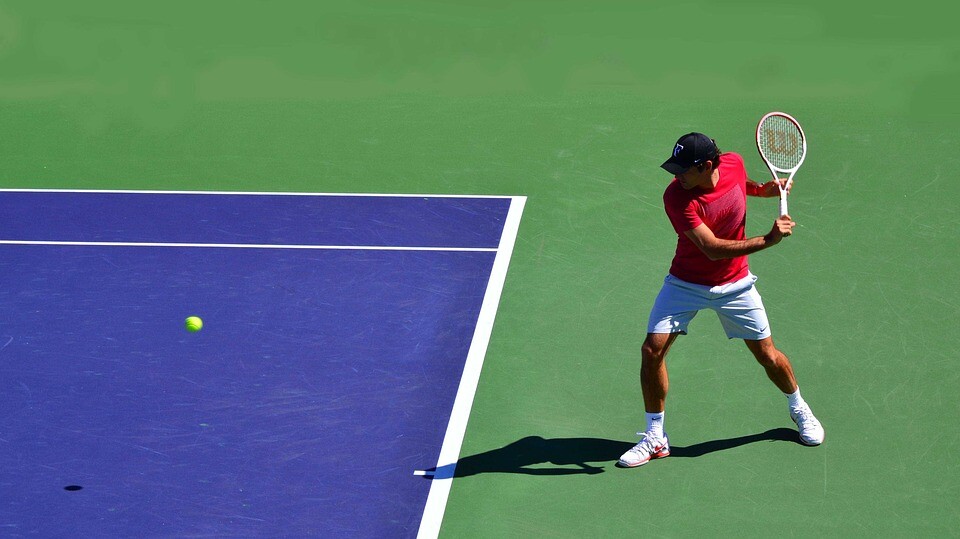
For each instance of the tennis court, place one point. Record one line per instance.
(570, 106)
(338, 333)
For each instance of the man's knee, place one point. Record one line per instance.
(767, 354)
(654, 350)
(769, 359)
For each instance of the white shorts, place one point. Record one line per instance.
(737, 304)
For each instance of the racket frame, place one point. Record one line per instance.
(776, 171)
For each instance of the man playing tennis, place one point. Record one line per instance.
(706, 203)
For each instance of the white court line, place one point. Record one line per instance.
(250, 246)
(244, 193)
(456, 428)
(245, 245)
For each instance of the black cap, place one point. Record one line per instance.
(691, 149)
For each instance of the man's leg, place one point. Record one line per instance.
(780, 372)
(654, 383)
(653, 370)
(775, 363)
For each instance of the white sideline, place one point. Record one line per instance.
(456, 428)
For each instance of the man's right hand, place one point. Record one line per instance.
(782, 227)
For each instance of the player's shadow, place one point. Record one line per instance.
(569, 456)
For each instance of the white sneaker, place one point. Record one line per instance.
(811, 432)
(649, 447)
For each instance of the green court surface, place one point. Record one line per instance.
(575, 105)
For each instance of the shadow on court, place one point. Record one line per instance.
(569, 456)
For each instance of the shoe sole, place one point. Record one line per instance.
(654, 456)
(809, 444)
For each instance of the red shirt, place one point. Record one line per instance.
(723, 209)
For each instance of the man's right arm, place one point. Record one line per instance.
(716, 248)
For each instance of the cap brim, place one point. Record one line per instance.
(673, 168)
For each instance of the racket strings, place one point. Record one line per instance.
(781, 142)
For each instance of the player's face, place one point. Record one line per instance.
(694, 177)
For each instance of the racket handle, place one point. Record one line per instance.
(783, 202)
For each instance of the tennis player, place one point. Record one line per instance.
(706, 202)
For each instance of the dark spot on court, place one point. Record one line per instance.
(73, 488)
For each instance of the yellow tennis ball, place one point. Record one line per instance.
(193, 324)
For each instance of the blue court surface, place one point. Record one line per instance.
(336, 333)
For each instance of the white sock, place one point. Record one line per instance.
(794, 400)
(655, 423)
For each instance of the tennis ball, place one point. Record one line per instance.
(193, 324)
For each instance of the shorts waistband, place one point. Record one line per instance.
(714, 291)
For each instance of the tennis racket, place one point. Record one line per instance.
(782, 147)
